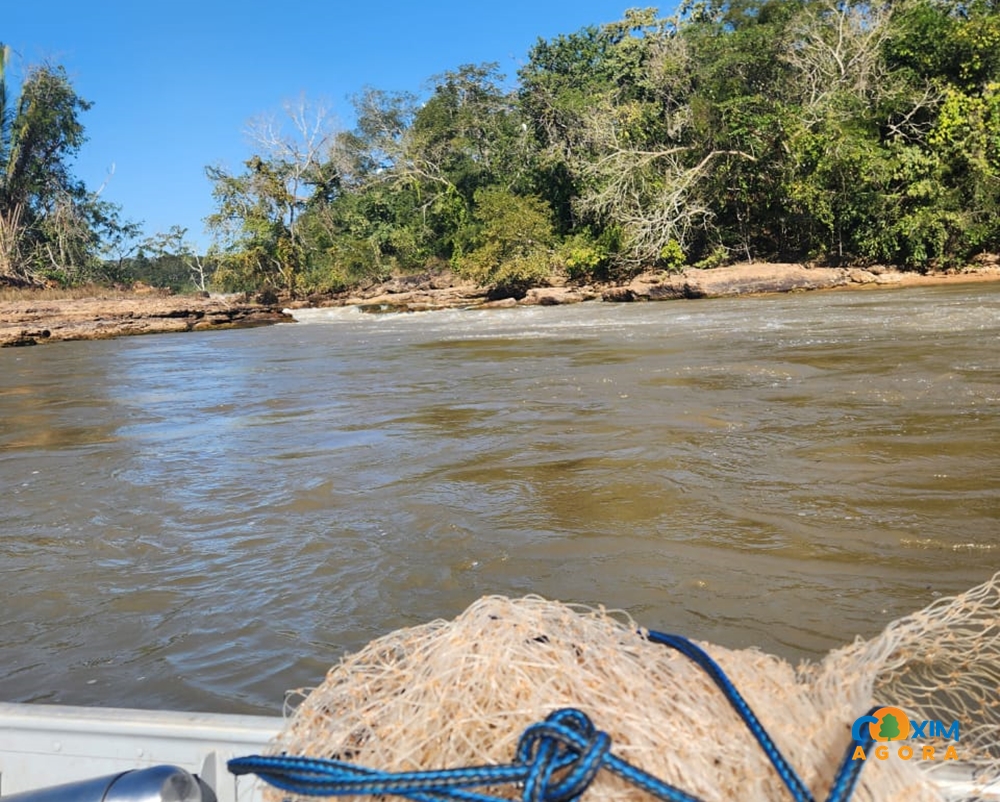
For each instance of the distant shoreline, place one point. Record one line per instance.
(34, 319)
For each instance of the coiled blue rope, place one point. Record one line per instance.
(556, 761)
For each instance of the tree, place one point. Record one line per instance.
(49, 223)
(174, 243)
(652, 195)
(375, 148)
(296, 151)
(628, 70)
(893, 158)
(736, 128)
(412, 171)
(630, 147)
(836, 51)
(119, 241)
(467, 134)
(257, 221)
(510, 242)
(393, 211)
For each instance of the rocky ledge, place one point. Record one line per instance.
(33, 321)
(36, 320)
(419, 293)
(747, 279)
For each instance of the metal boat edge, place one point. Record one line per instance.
(46, 745)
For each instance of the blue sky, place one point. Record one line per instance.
(174, 84)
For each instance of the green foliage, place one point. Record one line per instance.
(509, 242)
(50, 225)
(584, 257)
(838, 131)
(716, 257)
(168, 259)
(253, 219)
(968, 130)
(468, 134)
(672, 256)
(842, 131)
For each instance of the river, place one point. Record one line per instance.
(204, 520)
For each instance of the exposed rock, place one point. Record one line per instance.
(758, 278)
(30, 322)
(440, 290)
(755, 279)
(674, 287)
(619, 295)
(142, 288)
(385, 301)
(444, 290)
(857, 275)
(555, 296)
(26, 337)
(413, 300)
(37, 319)
(501, 303)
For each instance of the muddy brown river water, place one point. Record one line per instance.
(205, 520)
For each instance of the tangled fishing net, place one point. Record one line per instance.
(460, 693)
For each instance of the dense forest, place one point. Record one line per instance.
(834, 132)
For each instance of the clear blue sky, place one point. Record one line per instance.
(174, 84)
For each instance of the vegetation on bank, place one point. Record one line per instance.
(752, 129)
(51, 225)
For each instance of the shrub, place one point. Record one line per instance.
(509, 242)
(583, 257)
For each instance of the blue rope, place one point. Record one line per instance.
(800, 793)
(556, 761)
(846, 778)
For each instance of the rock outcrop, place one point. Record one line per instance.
(556, 296)
(747, 279)
(33, 321)
(417, 293)
(30, 322)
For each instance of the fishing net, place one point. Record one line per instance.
(460, 693)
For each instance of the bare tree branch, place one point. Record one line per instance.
(653, 196)
(837, 48)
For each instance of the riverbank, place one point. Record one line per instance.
(43, 319)
(420, 293)
(36, 319)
